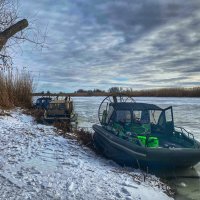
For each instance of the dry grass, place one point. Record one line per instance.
(15, 89)
(64, 127)
(85, 137)
(66, 130)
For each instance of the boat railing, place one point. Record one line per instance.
(185, 132)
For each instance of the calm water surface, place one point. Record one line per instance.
(186, 114)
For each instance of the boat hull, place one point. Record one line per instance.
(128, 154)
(69, 119)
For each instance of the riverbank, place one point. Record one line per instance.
(36, 163)
(162, 92)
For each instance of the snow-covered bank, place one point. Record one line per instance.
(35, 163)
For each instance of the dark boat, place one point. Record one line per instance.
(42, 102)
(143, 135)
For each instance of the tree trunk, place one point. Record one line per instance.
(12, 30)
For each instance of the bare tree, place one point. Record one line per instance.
(11, 30)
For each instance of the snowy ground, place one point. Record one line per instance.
(35, 163)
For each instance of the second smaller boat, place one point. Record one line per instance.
(60, 110)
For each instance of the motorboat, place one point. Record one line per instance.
(143, 135)
(60, 110)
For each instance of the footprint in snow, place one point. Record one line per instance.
(125, 191)
(129, 198)
(129, 185)
(118, 195)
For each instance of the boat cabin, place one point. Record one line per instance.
(59, 108)
(152, 125)
(42, 102)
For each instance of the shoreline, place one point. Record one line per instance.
(107, 94)
(118, 91)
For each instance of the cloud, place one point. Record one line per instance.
(101, 43)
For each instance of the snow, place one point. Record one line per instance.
(36, 163)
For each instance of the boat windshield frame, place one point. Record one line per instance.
(161, 122)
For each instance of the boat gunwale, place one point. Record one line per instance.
(150, 149)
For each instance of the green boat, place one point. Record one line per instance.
(143, 135)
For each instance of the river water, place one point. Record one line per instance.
(186, 114)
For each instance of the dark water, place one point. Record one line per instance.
(186, 114)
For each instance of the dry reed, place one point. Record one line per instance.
(15, 89)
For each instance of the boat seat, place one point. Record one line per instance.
(149, 141)
(141, 129)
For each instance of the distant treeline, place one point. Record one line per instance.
(90, 91)
(166, 92)
(163, 92)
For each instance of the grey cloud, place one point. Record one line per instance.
(192, 69)
(92, 42)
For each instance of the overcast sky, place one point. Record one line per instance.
(104, 43)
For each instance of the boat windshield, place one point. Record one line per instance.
(137, 122)
(155, 116)
(141, 117)
(38, 101)
(60, 106)
(127, 117)
(142, 121)
(123, 116)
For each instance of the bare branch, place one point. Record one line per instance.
(12, 30)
